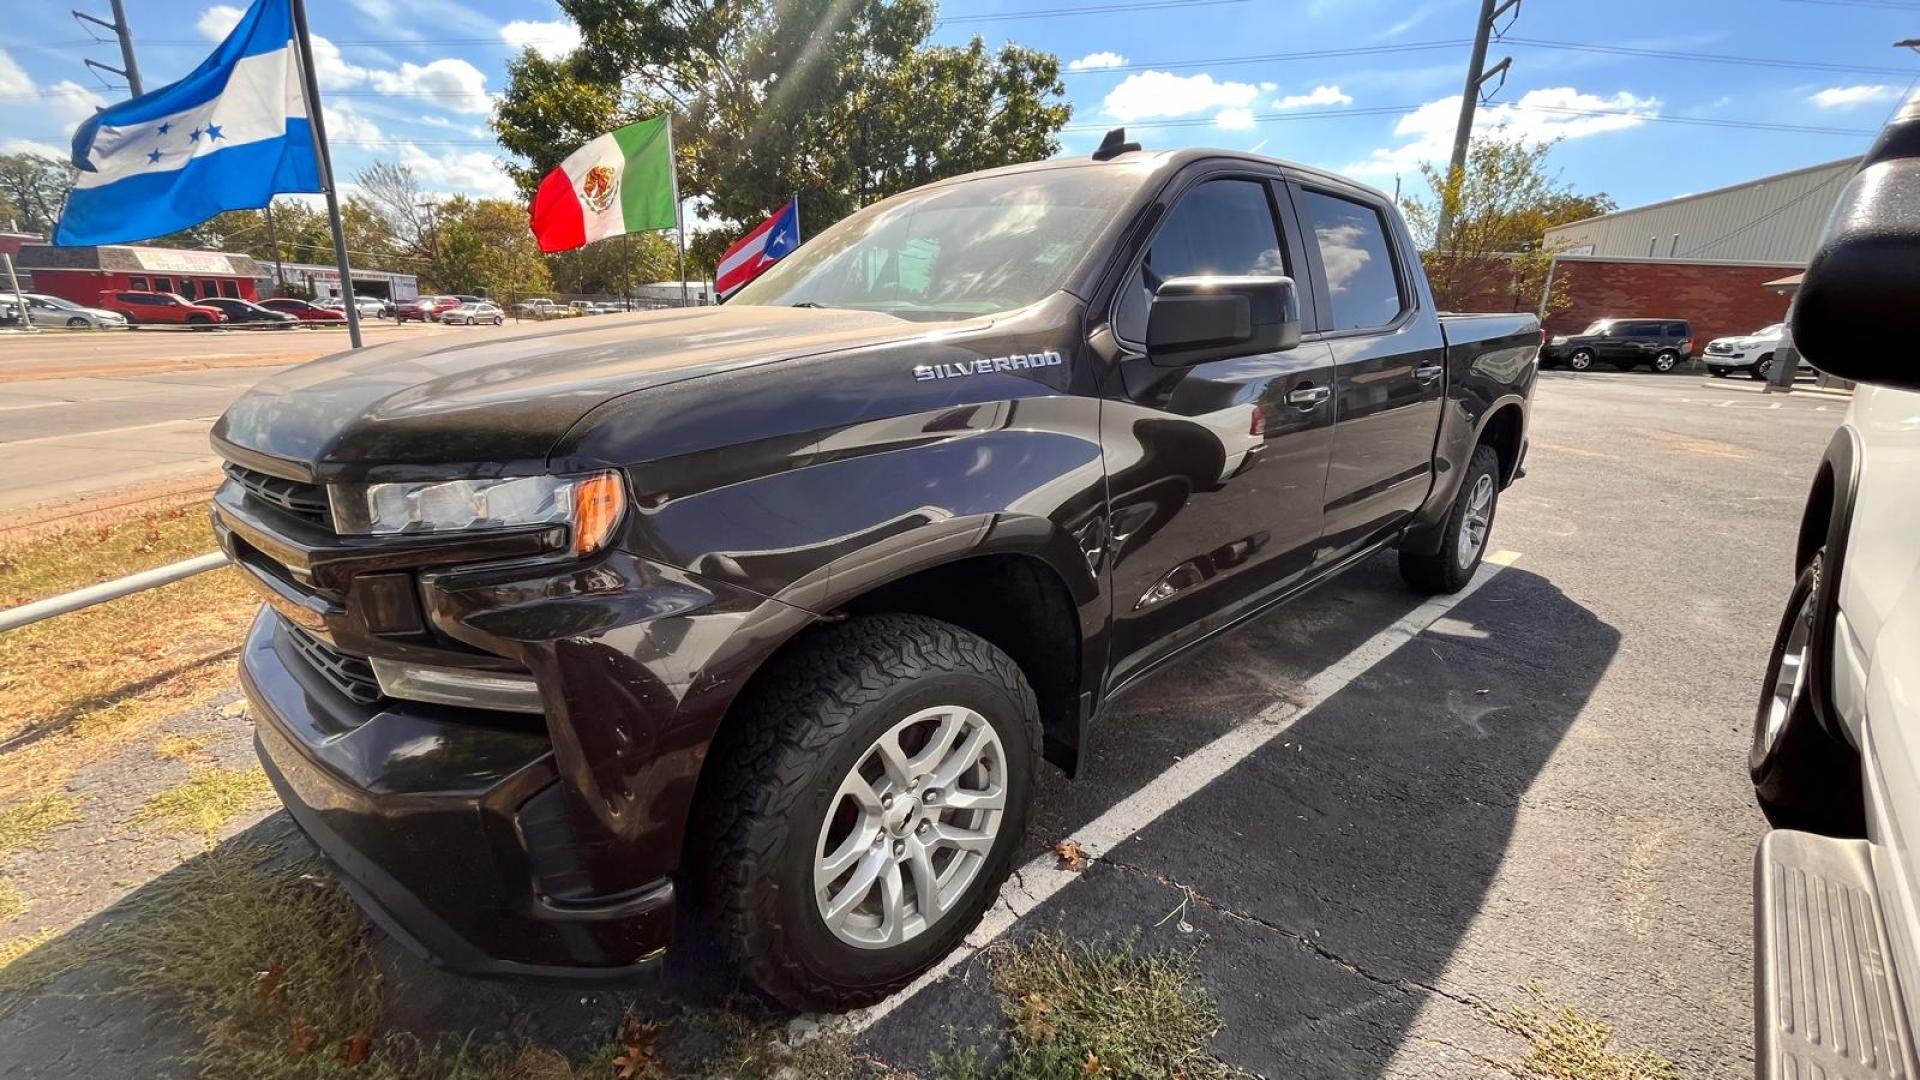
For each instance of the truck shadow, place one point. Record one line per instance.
(1324, 878)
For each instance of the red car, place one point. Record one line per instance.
(304, 311)
(160, 307)
(427, 308)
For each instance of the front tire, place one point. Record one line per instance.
(1760, 368)
(77, 323)
(867, 805)
(1465, 532)
(1803, 777)
(1580, 359)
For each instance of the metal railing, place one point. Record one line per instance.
(40, 610)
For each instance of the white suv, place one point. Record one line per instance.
(1752, 354)
(1836, 745)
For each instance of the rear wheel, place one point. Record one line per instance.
(1465, 532)
(1580, 359)
(1666, 361)
(868, 802)
(1803, 777)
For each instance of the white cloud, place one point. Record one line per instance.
(552, 40)
(1096, 61)
(28, 146)
(1147, 94)
(329, 66)
(1234, 119)
(67, 103)
(447, 81)
(1846, 97)
(1559, 112)
(14, 80)
(474, 173)
(1319, 95)
(346, 124)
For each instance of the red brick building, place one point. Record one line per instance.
(1720, 299)
(80, 274)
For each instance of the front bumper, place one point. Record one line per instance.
(446, 825)
(1732, 360)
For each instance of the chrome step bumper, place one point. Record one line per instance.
(1826, 1003)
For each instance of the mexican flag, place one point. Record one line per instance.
(619, 183)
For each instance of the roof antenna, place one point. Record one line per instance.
(1114, 145)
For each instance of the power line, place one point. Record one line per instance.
(1090, 9)
(1327, 114)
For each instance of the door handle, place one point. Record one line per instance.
(1308, 398)
(1428, 372)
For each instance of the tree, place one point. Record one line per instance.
(1501, 206)
(839, 101)
(32, 191)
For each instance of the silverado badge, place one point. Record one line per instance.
(962, 368)
(596, 188)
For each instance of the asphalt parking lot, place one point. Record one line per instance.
(1372, 821)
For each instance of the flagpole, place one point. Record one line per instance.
(679, 212)
(310, 89)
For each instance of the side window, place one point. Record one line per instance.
(1644, 330)
(1677, 329)
(138, 281)
(1222, 227)
(1363, 288)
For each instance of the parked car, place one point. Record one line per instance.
(56, 311)
(562, 631)
(542, 308)
(426, 308)
(245, 312)
(304, 310)
(479, 311)
(582, 307)
(1836, 738)
(1752, 354)
(369, 307)
(160, 308)
(1625, 343)
(606, 307)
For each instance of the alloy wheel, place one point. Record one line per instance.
(1580, 361)
(1790, 683)
(910, 827)
(1476, 522)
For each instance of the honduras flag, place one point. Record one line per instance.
(227, 137)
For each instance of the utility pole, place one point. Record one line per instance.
(131, 69)
(273, 240)
(1477, 76)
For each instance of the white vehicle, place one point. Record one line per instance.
(1836, 743)
(369, 307)
(1752, 354)
(472, 313)
(54, 311)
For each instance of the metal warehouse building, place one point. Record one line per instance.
(1775, 219)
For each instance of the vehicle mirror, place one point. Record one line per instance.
(1854, 316)
(1196, 319)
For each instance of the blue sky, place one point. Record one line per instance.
(410, 79)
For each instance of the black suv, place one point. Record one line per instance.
(1624, 343)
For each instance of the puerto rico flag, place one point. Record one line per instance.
(768, 243)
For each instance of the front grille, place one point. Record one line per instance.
(351, 675)
(1717, 347)
(308, 502)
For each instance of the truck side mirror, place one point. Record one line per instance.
(1196, 319)
(1855, 316)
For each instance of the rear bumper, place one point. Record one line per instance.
(448, 829)
(1826, 1000)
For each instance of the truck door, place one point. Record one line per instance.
(1389, 366)
(1216, 471)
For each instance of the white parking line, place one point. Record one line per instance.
(1037, 882)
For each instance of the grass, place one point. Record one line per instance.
(11, 902)
(63, 561)
(28, 824)
(74, 690)
(1077, 1011)
(1566, 1045)
(189, 748)
(206, 801)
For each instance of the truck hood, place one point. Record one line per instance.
(490, 403)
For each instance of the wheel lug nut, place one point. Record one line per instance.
(900, 848)
(886, 802)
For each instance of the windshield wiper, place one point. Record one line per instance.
(807, 303)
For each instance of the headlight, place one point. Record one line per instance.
(590, 505)
(1558, 339)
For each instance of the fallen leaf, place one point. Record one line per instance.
(1070, 855)
(639, 1039)
(303, 1037)
(1092, 1067)
(359, 1047)
(269, 981)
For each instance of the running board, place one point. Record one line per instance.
(1826, 1003)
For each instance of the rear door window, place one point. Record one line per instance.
(1363, 285)
(1677, 329)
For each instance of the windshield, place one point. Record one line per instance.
(1596, 327)
(973, 248)
(1770, 331)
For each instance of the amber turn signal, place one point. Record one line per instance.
(598, 503)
